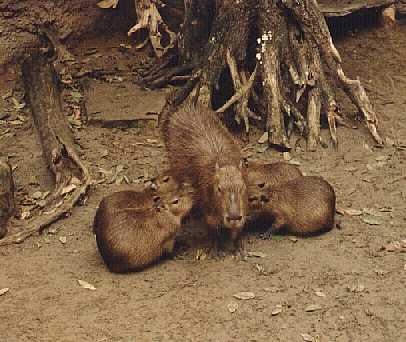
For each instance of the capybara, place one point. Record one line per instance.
(203, 152)
(303, 206)
(265, 175)
(6, 196)
(131, 235)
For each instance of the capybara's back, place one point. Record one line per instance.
(264, 175)
(130, 236)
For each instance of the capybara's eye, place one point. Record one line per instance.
(156, 198)
(175, 201)
(165, 179)
(261, 185)
(219, 189)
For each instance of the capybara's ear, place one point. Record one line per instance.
(261, 185)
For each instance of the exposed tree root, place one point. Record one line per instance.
(72, 178)
(294, 70)
(149, 18)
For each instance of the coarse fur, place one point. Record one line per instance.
(203, 152)
(131, 235)
(6, 196)
(303, 206)
(266, 175)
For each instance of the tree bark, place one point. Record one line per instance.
(6, 196)
(285, 48)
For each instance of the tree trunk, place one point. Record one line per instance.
(270, 59)
(6, 196)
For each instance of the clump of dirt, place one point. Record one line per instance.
(346, 285)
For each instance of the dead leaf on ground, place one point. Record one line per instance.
(372, 212)
(358, 288)
(277, 310)
(232, 307)
(308, 338)
(4, 291)
(312, 307)
(86, 285)
(107, 4)
(264, 138)
(244, 295)
(256, 254)
(352, 212)
(319, 294)
(371, 221)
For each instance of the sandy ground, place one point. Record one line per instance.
(346, 285)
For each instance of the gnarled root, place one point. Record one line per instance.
(72, 178)
(149, 18)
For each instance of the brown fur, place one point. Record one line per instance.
(131, 235)
(6, 196)
(261, 175)
(303, 206)
(203, 152)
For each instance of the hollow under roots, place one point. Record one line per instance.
(281, 61)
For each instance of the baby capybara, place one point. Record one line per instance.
(6, 196)
(265, 175)
(203, 152)
(131, 235)
(302, 206)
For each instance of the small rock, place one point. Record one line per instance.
(312, 307)
(293, 239)
(393, 246)
(319, 294)
(358, 288)
(277, 310)
(37, 195)
(244, 295)
(62, 239)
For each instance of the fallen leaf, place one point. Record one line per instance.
(232, 307)
(319, 294)
(37, 195)
(277, 310)
(287, 156)
(393, 246)
(69, 188)
(358, 288)
(17, 105)
(352, 212)
(272, 289)
(4, 291)
(371, 211)
(264, 138)
(108, 4)
(25, 215)
(62, 239)
(256, 254)
(312, 307)
(86, 285)
(372, 221)
(308, 338)
(294, 162)
(244, 295)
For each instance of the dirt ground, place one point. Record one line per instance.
(346, 285)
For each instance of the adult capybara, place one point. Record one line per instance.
(203, 152)
(302, 206)
(131, 235)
